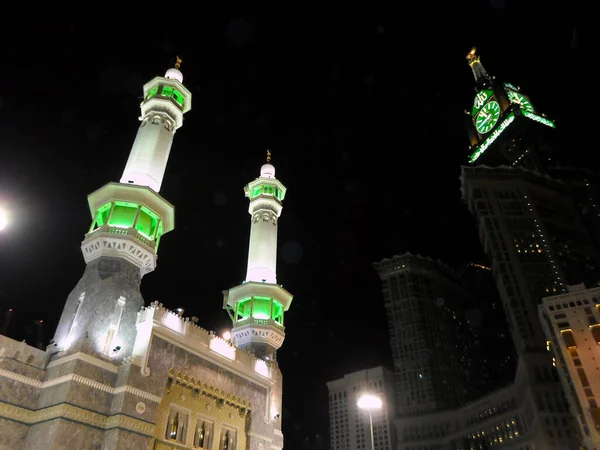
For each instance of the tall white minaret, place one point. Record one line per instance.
(256, 306)
(166, 100)
(128, 221)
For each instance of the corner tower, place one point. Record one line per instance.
(128, 221)
(257, 306)
(504, 127)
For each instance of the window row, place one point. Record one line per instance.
(199, 432)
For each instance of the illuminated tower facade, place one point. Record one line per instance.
(504, 116)
(128, 220)
(530, 228)
(257, 306)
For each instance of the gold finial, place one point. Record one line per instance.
(178, 62)
(268, 156)
(472, 57)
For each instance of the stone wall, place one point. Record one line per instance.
(12, 435)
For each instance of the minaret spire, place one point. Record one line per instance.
(481, 76)
(256, 306)
(166, 100)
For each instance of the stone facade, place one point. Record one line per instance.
(85, 400)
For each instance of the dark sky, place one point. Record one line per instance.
(362, 111)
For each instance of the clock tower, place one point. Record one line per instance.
(504, 127)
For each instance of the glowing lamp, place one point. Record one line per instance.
(3, 219)
(369, 402)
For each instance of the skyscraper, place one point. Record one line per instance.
(529, 227)
(348, 424)
(571, 322)
(493, 349)
(120, 374)
(430, 340)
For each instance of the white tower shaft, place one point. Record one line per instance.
(262, 252)
(166, 100)
(150, 152)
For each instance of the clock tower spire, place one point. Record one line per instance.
(503, 126)
(482, 79)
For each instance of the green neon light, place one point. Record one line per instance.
(167, 91)
(124, 215)
(492, 137)
(152, 92)
(244, 308)
(147, 222)
(266, 189)
(511, 86)
(259, 308)
(539, 119)
(480, 99)
(178, 96)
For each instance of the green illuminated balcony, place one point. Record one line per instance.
(120, 217)
(167, 92)
(267, 189)
(258, 310)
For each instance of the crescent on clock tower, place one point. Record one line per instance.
(503, 125)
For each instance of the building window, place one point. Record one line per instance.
(228, 439)
(111, 347)
(203, 435)
(177, 425)
(73, 327)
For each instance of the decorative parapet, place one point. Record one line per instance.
(158, 316)
(210, 391)
(22, 352)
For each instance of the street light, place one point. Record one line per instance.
(3, 218)
(370, 403)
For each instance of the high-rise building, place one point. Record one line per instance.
(349, 426)
(430, 340)
(493, 349)
(120, 374)
(571, 322)
(531, 231)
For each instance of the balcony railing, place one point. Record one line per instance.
(109, 229)
(255, 321)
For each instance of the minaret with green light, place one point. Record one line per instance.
(257, 306)
(128, 221)
(504, 128)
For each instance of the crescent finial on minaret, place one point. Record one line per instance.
(268, 156)
(178, 62)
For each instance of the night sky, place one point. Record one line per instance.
(363, 114)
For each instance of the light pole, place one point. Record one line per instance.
(370, 403)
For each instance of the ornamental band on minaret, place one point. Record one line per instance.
(256, 307)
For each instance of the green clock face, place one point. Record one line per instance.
(488, 117)
(520, 100)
